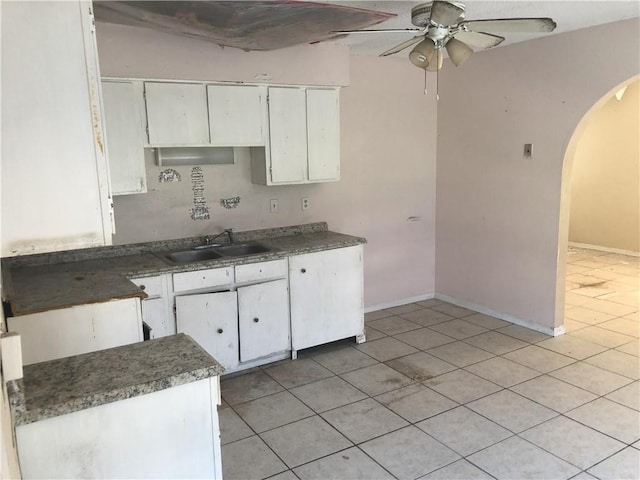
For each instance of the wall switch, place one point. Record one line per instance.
(305, 203)
(273, 205)
(528, 150)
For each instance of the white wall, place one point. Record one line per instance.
(388, 131)
(605, 190)
(499, 218)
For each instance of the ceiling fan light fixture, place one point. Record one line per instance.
(458, 51)
(436, 63)
(422, 53)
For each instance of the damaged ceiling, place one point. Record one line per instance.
(249, 25)
(270, 25)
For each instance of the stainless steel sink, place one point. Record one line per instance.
(211, 253)
(190, 256)
(240, 249)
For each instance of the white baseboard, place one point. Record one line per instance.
(397, 303)
(471, 306)
(604, 249)
(502, 316)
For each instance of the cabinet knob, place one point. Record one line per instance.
(142, 287)
(220, 330)
(256, 320)
(303, 270)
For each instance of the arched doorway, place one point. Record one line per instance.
(573, 147)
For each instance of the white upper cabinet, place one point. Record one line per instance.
(304, 137)
(236, 114)
(323, 134)
(125, 145)
(288, 135)
(177, 114)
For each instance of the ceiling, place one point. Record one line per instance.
(267, 25)
(569, 15)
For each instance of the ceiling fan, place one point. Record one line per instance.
(441, 24)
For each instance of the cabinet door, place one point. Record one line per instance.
(125, 146)
(236, 115)
(155, 313)
(326, 296)
(288, 135)
(263, 312)
(323, 134)
(177, 114)
(211, 319)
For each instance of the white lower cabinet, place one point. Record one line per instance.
(171, 433)
(211, 319)
(263, 317)
(269, 309)
(326, 296)
(246, 324)
(80, 329)
(156, 311)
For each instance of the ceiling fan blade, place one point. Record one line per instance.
(479, 39)
(515, 25)
(384, 30)
(458, 51)
(402, 46)
(445, 13)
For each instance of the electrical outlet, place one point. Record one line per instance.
(305, 203)
(528, 150)
(273, 205)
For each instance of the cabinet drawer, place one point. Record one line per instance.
(261, 271)
(200, 279)
(152, 286)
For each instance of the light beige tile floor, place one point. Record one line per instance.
(442, 392)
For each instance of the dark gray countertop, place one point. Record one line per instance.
(36, 283)
(66, 385)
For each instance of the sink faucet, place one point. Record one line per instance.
(208, 241)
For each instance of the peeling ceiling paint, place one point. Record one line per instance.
(249, 25)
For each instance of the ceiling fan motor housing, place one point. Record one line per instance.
(421, 14)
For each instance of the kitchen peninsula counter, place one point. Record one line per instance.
(37, 283)
(145, 410)
(66, 385)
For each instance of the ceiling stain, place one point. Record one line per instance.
(249, 25)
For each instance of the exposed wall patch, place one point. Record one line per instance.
(169, 175)
(231, 202)
(200, 211)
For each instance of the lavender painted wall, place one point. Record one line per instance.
(501, 217)
(388, 137)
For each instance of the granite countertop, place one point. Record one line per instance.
(57, 387)
(36, 283)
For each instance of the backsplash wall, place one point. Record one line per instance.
(164, 212)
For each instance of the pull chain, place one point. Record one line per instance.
(437, 75)
(425, 81)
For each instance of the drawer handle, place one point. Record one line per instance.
(256, 320)
(303, 270)
(220, 330)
